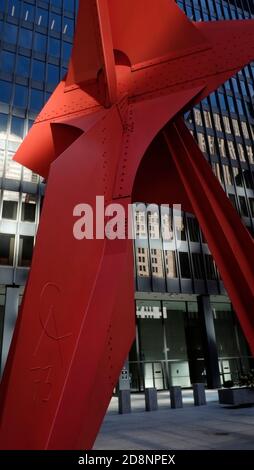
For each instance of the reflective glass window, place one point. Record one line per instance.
(53, 74)
(26, 245)
(40, 42)
(6, 249)
(28, 209)
(36, 100)
(28, 11)
(55, 23)
(68, 27)
(20, 96)
(23, 66)
(3, 123)
(10, 33)
(17, 127)
(67, 47)
(10, 205)
(25, 38)
(69, 5)
(38, 70)
(7, 61)
(231, 104)
(14, 8)
(184, 265)
(42, 17)
(5, 91)
(54, 47)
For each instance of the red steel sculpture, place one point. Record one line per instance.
(114, 127)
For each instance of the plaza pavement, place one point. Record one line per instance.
(208, 427)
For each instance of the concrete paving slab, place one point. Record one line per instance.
(209, 427)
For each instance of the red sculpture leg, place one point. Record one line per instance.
(77, 323)
(228, 239)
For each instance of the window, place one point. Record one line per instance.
(198, 265)
(247, 179)
(67, 47)
(217, 171)
(38, 70)
(240, 106)
(153, 225)
(68, 27)
(53, 74)
(40, 42)
(213, 100)
(237, 177)
(227, 175)
(208, 121)
(210, 268)
(9, 210)
(28, 209)
(227, 124)
(55, 23)
(193, 229)
(10, 205)
(54, 47)
(197, 116)
(184, 265)
(28, 12)
(20, 96)
(243, 206)
(3, 123)
(17, 127)
(245, 130)
(179, 227)
(211, 144)
(249, 149)
(25, 38)
(6, 249)
(170, 262)
(232, 200)
(156, 262)
(231, 149)
(42, 17)
(13, 169)
(231, 104)
(7, 61)
(142, 262)
(236, 127)
(166, 227)
(217, 121)
(243, 87)
(69, 5)
(222, 102)
(241, 152)
(5, 91)
(251, 201)
(26, 245)
(221, 143)
(201, 142)
(23, 66)
(10, 33)
(36, 100)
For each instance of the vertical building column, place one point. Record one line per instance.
(10, 316)
(209, 340)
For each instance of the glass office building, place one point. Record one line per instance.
(186, 328)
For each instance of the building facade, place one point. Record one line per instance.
(186, 328)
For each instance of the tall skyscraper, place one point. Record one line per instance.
(35, 45)
(186, 328)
